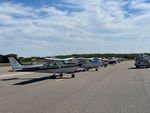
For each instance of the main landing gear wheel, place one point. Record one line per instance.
(53, 77)
(96, 69)
(73, 76)
(61, 75)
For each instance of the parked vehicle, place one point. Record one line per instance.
(142, 61)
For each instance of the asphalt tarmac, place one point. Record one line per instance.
(115, 89)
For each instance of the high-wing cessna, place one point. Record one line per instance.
(105, 62)
(89, 63)
(52, 65)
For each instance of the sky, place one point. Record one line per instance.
(62, 27)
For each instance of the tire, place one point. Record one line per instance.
(96, 69)
(73, 76)
(61, 75)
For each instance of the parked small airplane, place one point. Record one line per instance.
(112, 61)
(105, 62)
(89, 63)
(52, 65)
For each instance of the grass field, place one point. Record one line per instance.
(4, 64)
(8, 64)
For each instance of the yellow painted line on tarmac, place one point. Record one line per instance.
(59, 80)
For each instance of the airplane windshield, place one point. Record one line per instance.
(60, 62)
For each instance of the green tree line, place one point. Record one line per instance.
(107, 55)
(4, 58)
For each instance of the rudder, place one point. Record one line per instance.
(14, 63)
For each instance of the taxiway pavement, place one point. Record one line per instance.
(115, 89)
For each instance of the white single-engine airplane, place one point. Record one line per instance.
(89, 63)
(52, 65)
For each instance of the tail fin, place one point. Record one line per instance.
(14, 63)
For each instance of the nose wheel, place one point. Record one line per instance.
(96, 69)
(61, 75)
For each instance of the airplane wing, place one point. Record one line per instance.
(85, 59)
(49, 60)
(53, 59)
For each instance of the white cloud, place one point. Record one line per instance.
(102, 26)
(140, 4)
